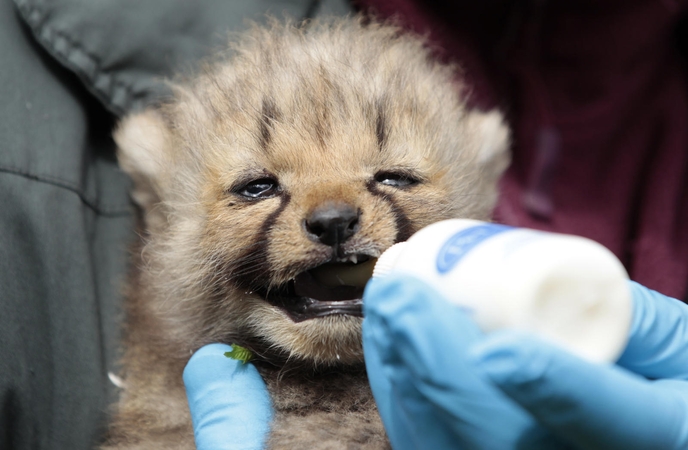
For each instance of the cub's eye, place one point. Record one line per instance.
(396, 179)
(258, 189)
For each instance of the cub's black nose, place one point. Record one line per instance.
(332, 223)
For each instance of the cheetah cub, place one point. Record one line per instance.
(270, 179)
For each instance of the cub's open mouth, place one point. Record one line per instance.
(329, 289)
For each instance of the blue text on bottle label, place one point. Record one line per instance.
(462, 242)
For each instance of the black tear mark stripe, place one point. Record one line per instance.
(268, 116)
(254, 263)
(404, 226)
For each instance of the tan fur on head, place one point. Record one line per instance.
(327, 112)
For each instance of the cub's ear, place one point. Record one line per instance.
(493, 141)
(143, 142)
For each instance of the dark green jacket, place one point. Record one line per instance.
(68, 69)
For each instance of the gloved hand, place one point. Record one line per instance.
(229, 403)
(441, 383)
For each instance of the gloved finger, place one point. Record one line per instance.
(381, 386)
(410, 420)
(417, 341)
(658, 345)
(593, 406)
(229, 402)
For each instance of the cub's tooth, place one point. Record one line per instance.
(353, 259)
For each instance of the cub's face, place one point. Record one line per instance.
(272, 183)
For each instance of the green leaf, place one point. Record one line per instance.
(240, 354)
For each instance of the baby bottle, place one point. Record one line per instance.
(567, 289)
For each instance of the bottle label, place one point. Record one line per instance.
(459, 244)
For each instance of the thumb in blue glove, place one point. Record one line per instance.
(229, 402)
(597, 406)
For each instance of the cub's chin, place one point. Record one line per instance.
(327, 340)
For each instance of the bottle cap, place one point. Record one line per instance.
(385, 263)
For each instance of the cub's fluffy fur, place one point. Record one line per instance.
(295, 124)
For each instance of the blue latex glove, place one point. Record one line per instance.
(440, 383)
(229, 402)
